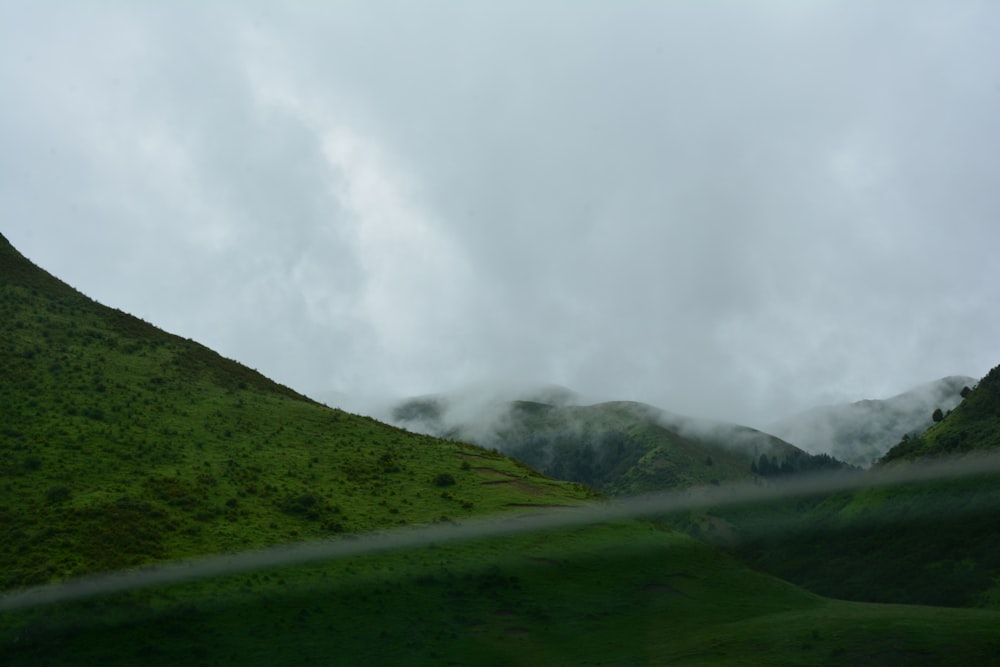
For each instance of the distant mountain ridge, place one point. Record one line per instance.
(861, 432)
(618, 447)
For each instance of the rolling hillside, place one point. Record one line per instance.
(623, 594)
(121, 444)
(861, 432)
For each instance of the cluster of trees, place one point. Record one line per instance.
(596, 460)
(795, 462)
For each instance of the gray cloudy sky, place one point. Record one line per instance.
(730, 210)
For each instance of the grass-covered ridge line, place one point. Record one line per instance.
(121, 444)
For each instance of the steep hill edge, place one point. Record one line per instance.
(121, 444)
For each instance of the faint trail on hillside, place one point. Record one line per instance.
(547, 518)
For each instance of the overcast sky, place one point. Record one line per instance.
(729, 210)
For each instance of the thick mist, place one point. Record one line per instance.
(862, 431)
(736, 211)
(529, 422)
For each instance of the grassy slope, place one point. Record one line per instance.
(929, 543)
(123, 445)
(624, 594)
(973, 425)
(936, 544)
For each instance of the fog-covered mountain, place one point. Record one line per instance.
(619, 447)
(861, 432)
(974, 425)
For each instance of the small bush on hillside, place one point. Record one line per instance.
(304, 505)
(334, 527)
(444, 479)
(57, 494)
(388, 464)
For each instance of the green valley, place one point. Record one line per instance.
(124, 449)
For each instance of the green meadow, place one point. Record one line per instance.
(627, 593)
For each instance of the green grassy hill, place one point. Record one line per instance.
(620, 448)
(934, 542)
(123, 446)
(973, 425)
(629, 593)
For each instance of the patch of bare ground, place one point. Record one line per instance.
(494, 471)
(530, 489)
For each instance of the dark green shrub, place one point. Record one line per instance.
(58, 494)
(334, 527)
(304, 505)
(388, 463)
(444, 479)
